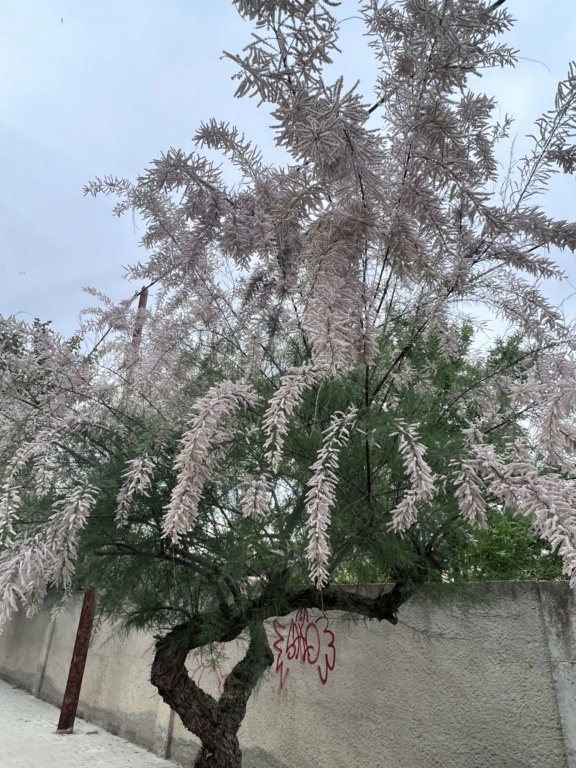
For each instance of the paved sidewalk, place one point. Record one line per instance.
(28, 739)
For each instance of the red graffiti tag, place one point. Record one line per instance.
(309, 641)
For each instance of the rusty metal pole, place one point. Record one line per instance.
(131, 359)
(80, 654)
(78, 663)
(139, 324)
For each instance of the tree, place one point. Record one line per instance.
(305, 405)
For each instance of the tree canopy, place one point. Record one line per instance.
(303, 403)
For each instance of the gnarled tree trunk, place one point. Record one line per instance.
(216, 723)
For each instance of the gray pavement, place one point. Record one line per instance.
(28, 739)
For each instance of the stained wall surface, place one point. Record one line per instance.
(489, 684)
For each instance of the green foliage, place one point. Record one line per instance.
(507, 550)
(145, 581)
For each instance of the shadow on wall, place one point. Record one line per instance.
(184, 754)
(255, 757)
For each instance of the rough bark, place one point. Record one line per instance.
(216, 723)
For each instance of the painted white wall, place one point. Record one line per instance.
(490, 684)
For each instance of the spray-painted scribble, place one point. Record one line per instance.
(305, 640)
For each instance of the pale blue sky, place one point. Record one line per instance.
(116, 82)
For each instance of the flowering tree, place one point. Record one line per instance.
(301, 401)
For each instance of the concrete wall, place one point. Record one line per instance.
(492, 685)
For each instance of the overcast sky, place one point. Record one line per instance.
(96, 87)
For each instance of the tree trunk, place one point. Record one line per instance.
(226, 756)
(215, 723)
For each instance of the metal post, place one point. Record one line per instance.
(78, 663)
(131, 358)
